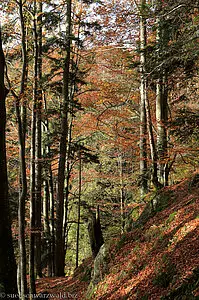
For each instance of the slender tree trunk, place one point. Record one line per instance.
(47, 235)
(52, 218)
(24, 75)
(66, 211)
(38, 163)
(59, 251)
(161, 111)
(33, 228)
(21, 126)
(22, 245)
(8, 270)
(32, 204)
(21, 136)
(143, 96)
(49, 174)
(154, 157)
(120, 166)
(161, 107)
(78, 209)
(32, 286)
(68, 173)
(51, 204)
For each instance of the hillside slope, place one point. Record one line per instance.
(159, 259)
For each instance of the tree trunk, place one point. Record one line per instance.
(21, 136)
(154, 157)
(38, 163)
(78, 209)
(21, 127)
(24, 75)
(59, 251)
(122, 214)
(161, 112)
(33, 227)
(32, 204)
(143, 96)
(8, 270)
(47, 235)
(52, 221)
(68, 170)
(51, 204)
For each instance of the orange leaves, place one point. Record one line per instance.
(145, 255)
(85, 125)
(112, 95)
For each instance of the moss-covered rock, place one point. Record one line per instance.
(100, 268)
(158, 202)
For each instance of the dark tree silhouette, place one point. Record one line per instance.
(8, 270)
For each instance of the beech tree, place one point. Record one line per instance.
(143, 100)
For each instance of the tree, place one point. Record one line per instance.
(8, 270)
(20, 109)
(59, 251)
(79, 208)
(161, 100)
(38, 138)
(143, 100)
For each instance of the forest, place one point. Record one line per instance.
(99, 119)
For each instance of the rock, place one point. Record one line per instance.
(99, 270)
(158, 203)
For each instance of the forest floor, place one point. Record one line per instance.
(69, 287)
(61, 288)
(160, 260)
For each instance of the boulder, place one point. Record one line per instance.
(100, 269)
